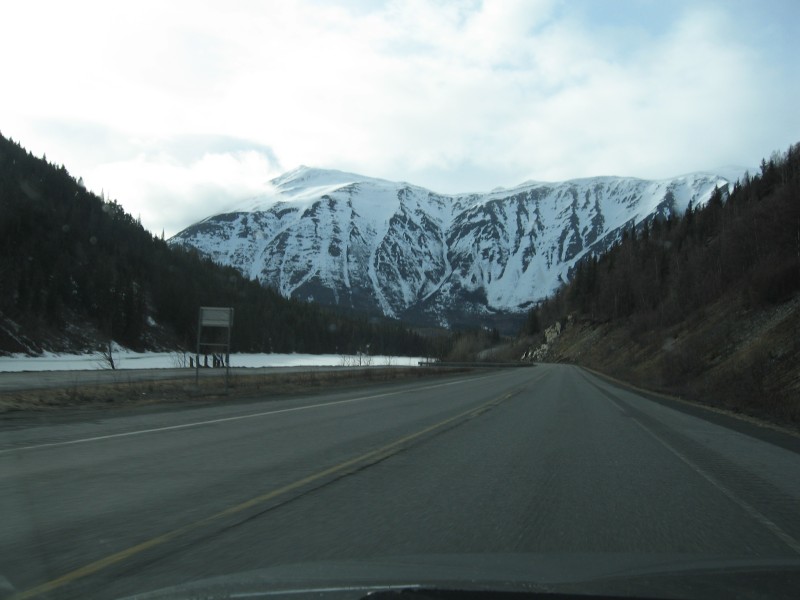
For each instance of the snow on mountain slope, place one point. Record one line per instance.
(404, 251)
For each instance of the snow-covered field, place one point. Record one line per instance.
(125, 359)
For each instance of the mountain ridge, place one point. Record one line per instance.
(432, 259)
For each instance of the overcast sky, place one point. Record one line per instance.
(178, 109)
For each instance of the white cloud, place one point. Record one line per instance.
(138, 98)
(171, 192)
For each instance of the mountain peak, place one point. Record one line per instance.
(308, 177)
(401, 250)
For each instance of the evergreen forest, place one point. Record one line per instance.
(76, 271)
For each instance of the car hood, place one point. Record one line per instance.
(623, 575)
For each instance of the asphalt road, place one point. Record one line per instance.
(546, 461)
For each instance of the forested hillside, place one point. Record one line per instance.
(76, 269)
(705, 305)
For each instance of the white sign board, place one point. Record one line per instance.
(216, 317)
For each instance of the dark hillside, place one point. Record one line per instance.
(76, 269)
(705, 306)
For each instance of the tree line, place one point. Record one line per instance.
(744, 241)
(68, 256)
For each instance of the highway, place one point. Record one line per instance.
(547, 461)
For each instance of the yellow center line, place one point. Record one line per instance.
(382, 452)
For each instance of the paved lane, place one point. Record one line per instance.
(549, 461)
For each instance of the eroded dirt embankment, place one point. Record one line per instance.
(747, 361)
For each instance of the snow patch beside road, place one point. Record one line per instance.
(126, 359)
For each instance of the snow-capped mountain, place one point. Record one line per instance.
(404, 251)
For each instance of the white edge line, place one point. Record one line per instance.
(238, 417)
(751, 511)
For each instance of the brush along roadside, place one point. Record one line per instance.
(210, 389)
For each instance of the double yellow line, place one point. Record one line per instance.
(341, 468)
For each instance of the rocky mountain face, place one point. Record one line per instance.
(431, 259)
